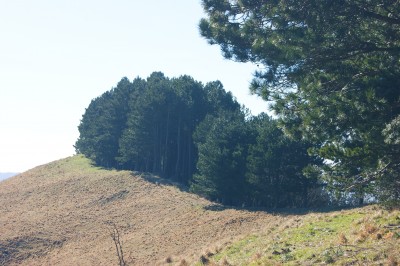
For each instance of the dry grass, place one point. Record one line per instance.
(60, 214)
(343, 239)
(57, 214)
(392, 261)
(183, 262)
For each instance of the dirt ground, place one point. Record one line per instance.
(62, 213)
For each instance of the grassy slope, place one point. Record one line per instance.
(58, 214)
(363, 236)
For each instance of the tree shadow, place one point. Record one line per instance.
(157, 180)
(217, 207)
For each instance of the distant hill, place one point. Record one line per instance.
(6, 175)
(63, 213)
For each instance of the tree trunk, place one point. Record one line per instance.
(178, 143)
(165, 159)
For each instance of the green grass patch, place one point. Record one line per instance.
(361, 236)
(240, 250)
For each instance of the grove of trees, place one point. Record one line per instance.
(331, 71)
(197, 135)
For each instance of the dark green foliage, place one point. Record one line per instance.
(275, 167)
(103, 123)
(222, 142)
(158, 135)
(148, 125)
(388, 176)
(252, 162)
(332, 70)
(141, 146)
(198, 135)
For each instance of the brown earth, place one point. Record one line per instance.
(61, 214)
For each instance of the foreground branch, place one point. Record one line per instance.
(115, 235)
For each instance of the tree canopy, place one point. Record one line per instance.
(332, 72)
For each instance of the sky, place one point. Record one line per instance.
(57, 55)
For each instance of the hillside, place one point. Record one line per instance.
(61, 214)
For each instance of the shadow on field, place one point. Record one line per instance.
(21, 248)
(160, 181)
(217, 207)
(278, 211)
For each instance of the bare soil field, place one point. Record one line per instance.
(61, 214)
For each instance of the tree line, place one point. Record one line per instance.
(330, 70)
(200, 136)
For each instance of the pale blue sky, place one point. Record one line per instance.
(57, 55)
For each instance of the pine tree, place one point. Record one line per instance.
(331, 70)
